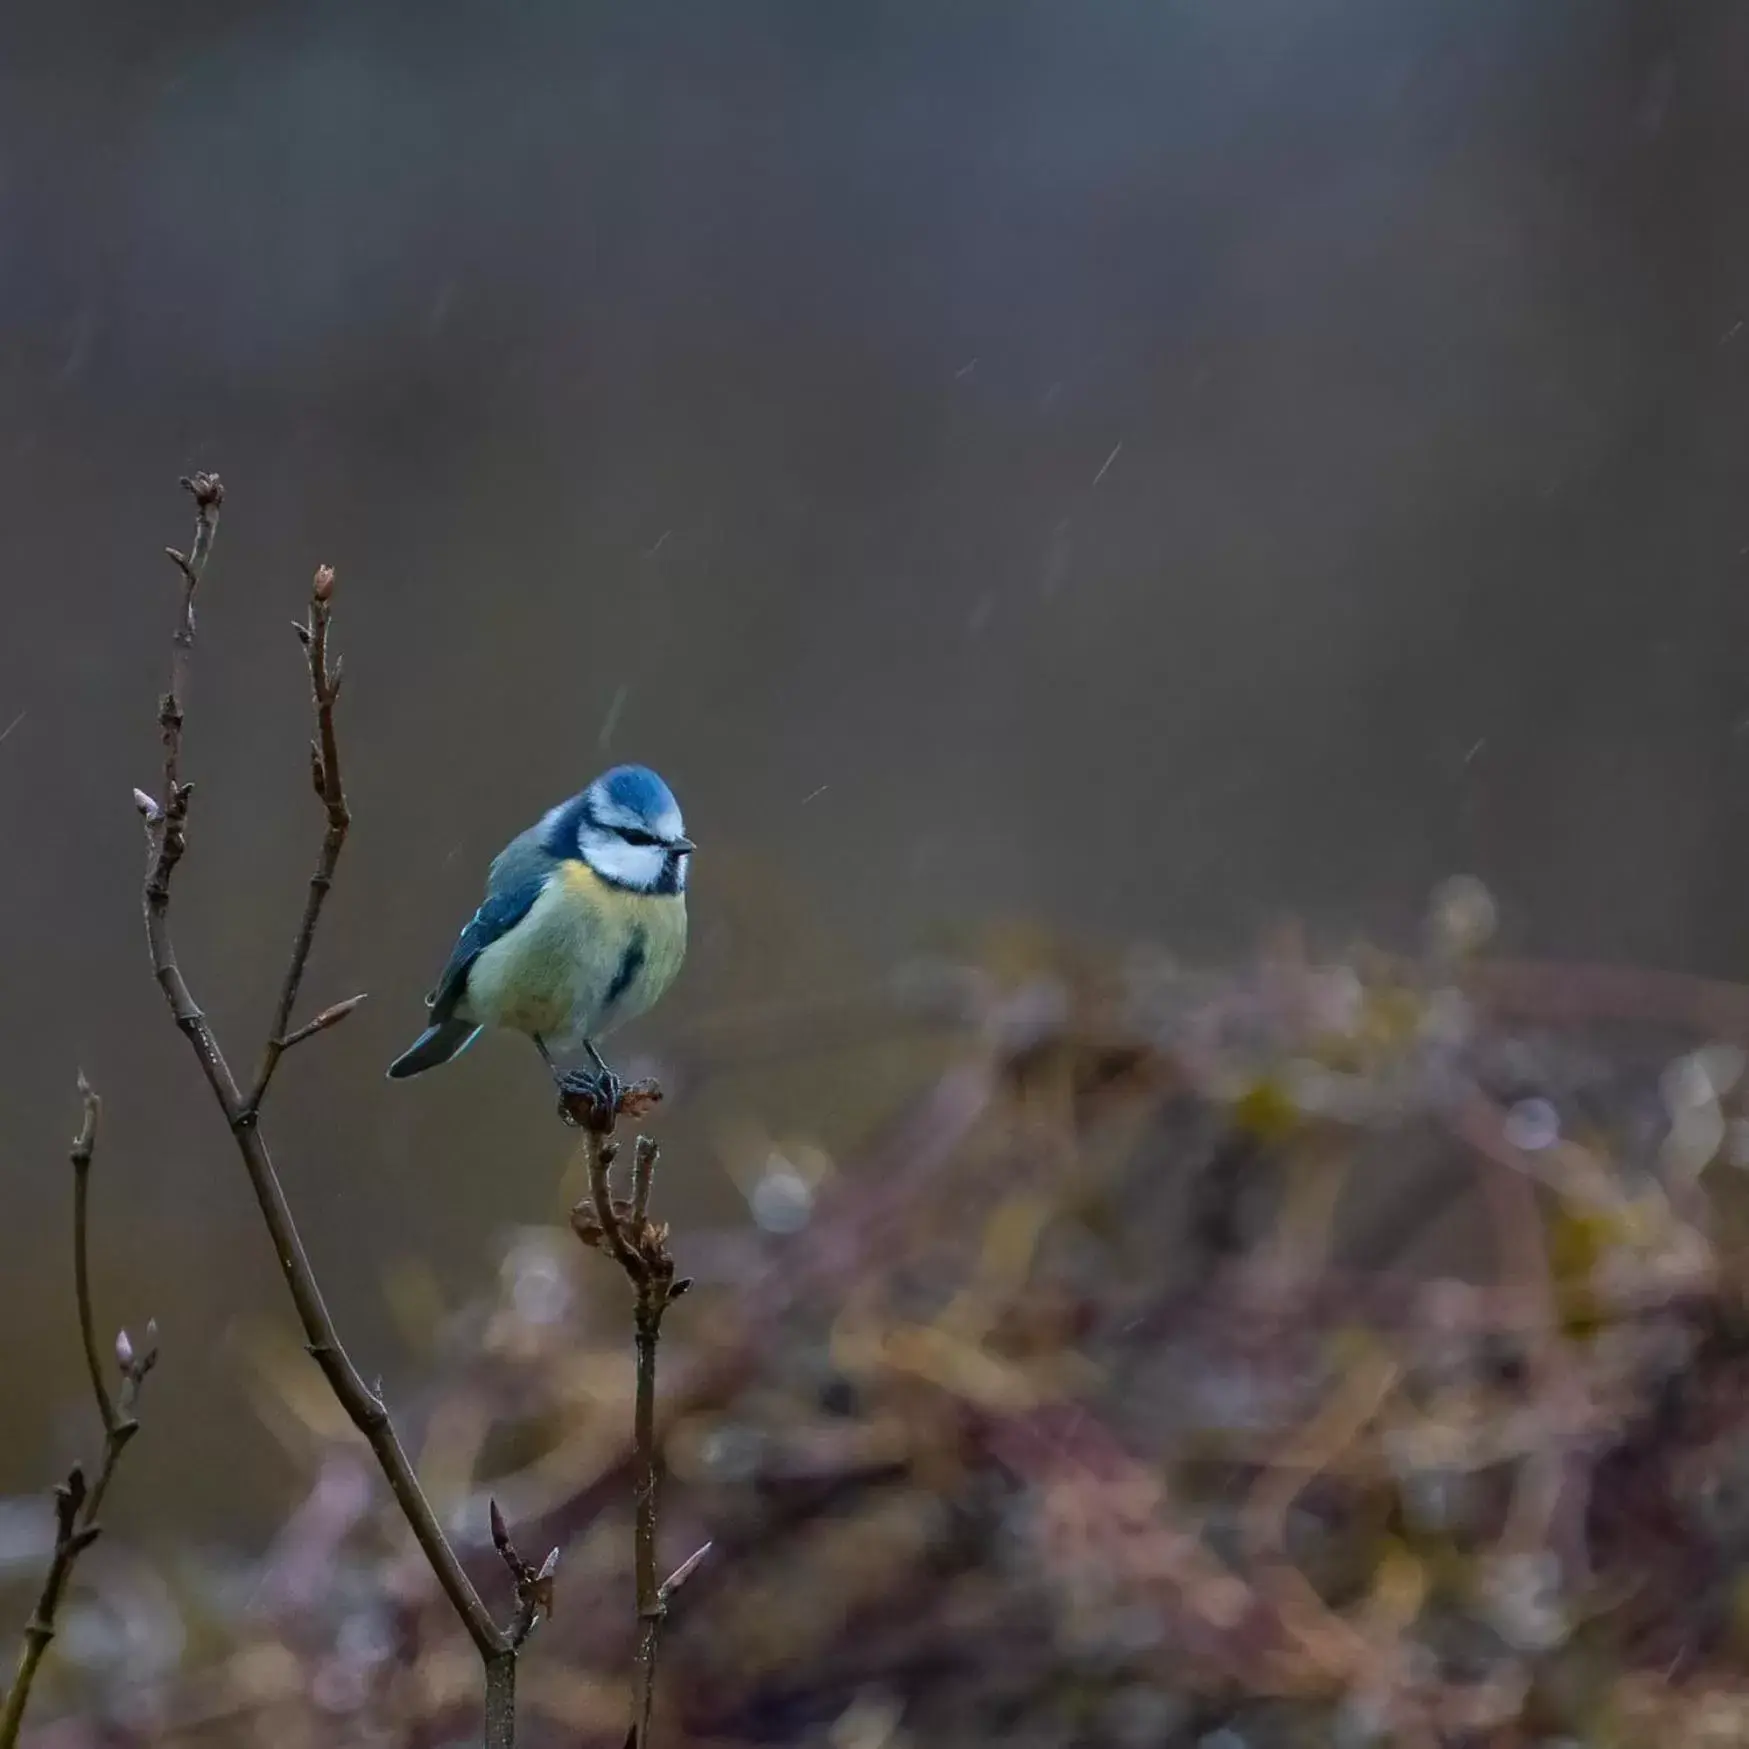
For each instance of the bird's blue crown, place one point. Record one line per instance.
(638, 792)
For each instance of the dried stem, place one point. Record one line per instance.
(70, 1542)
(624, 1231)
(166, 842)
(325, 776)
(652, 1606)
(76, 1505)
(84, 1144)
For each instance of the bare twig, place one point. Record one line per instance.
(328, 1017)
(166, 841)
(71, 1540)
(624, 1231)
(169, 843)
(325, 775)
(76, 1504)
(534, 1585)
(84, 1145)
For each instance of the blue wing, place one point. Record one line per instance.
(517, 878)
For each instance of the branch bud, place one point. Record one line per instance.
(208, 490)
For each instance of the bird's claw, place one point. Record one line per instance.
(589, 1099)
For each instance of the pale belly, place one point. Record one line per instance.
(585, 960)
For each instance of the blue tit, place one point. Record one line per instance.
(583, 927)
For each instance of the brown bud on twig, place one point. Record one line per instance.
(534, 1588)
(330, 1016)
(208, 489)
(323, 586)
(640, 1099)
(541, 1587)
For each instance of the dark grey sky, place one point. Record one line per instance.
(1142, 465)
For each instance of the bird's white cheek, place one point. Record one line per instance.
(626, 865)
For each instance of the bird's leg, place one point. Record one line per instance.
(607, 1084)
(600, 1085)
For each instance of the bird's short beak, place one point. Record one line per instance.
(682, 846)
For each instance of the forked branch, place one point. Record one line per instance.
(76, 1502)
(166, 838)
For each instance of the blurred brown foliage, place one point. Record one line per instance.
(1340, 1349)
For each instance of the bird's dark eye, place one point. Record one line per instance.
(638, 838)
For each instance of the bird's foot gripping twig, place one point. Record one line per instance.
(597, 1099)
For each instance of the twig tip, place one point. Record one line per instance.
(682, 1573)
(208, 490)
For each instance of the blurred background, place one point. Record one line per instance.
(1049, 486)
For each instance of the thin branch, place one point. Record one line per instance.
(165, 831)
(639, 1246)
(325, 775)
(70, 1542)
(208, 493)
(76, 1505)
(327, 1018)
(652, 1607)
(83, 1146)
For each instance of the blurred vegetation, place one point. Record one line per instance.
(1341, 1348)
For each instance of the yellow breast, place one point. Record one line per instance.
(586, 958)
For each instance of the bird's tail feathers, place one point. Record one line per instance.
(435, 1045)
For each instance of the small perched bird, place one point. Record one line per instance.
(583, 927)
